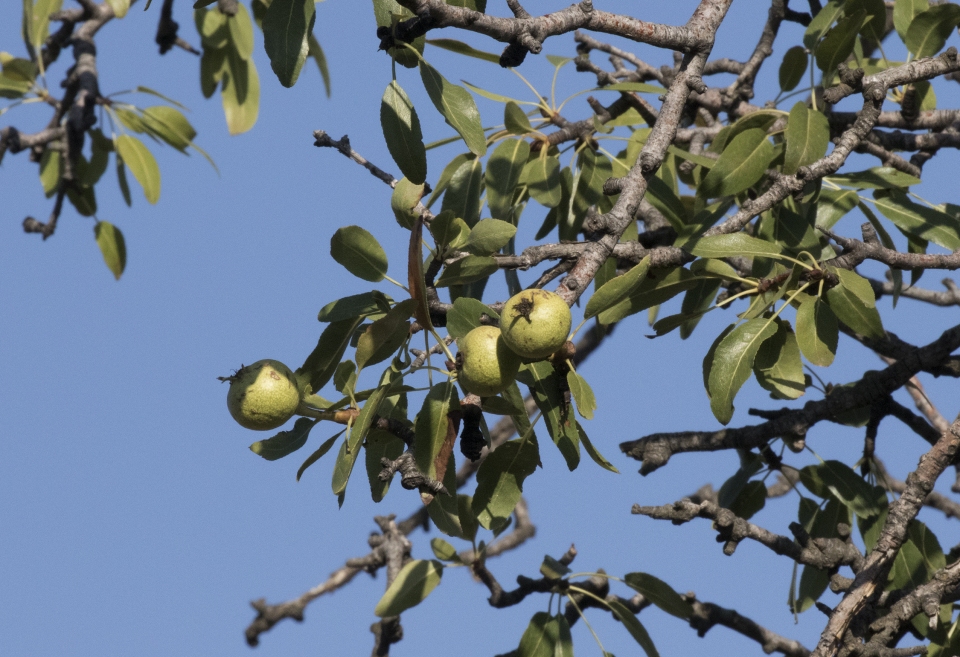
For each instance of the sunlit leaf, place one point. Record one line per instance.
(285, 442)
(733, 363)
(287, 26)
(457, 107)
(112, 246)
(412, 585)
(359, 252)
(138, 158)
(401, 129)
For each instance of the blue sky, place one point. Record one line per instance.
(134, 520)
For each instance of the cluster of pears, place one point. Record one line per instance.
(534, 324)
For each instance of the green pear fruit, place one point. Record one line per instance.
(486, 365)
(535, 323)
(263, 396)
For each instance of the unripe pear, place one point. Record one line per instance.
(263, 396)
(535, 323)
(486, 364)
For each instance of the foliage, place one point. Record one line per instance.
(739, 203)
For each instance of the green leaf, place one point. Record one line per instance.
(120, 7)
(489, 236)
(461, 48)
(500, 481)
(241, 32)
(212, 26)
(731, 245)
(413, 584)
(848, 487)
(751, 500)
(821, 23)
(808, 135)
(617, 289)
(449, 231)
(659, 286)
(286, 28)
(792, 68)
(582, 394)
(515, 119)
(285, 442)
(359, 252)
(503, 174)
(472, 268)
(929, 30)
(465, 316)
(170, 125)
(733, 362)
(38, 21)
(662, 197)
(457, 107)
(433, 426)
(240, 93)
(778, 367)
(141, 163)
(875, 10)
(401, 130)
(541, 175)
(634, 627)
(553, 569)
(750, 464)
(904, 12)
(834, 204)
(322, 362)
(742, 164)
(319, 453)
(544, 383)
(813, 582)
(659, 593)
(594, 453)
(853, 302)
(444, 551)
(112, 246)
(350, 449)
(817, 331)
(316, 52)
(463, 192)
(838, 44)
(546, 636)
(50, 171)
(444, 181)
(919, 220)
(875, 178)
(641, 87)
(382, 338)
(468, 521)
(406, 196)
(594, 171)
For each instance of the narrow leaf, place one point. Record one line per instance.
(457, 106)
(112, 246)
(286, 28)
(285, 442)
(412, 585)
(141, 163)
(733, 362)
(401, 129)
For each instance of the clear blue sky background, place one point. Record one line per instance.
(133, 518)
